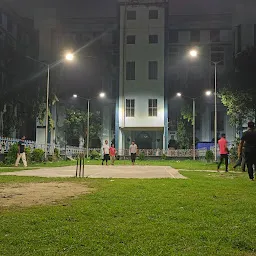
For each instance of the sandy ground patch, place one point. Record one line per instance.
(29, 194)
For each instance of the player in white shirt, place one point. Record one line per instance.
(133, 151)
(105, 153)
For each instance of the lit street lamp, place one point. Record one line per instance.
(101, 95)
(47, 96)
(207, 93)
(194, 53)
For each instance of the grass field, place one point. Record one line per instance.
(207, 214)
(177, 164)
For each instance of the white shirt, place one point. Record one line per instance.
(133, 149)
(105, 149)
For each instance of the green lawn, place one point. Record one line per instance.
(207, 214)
(177, 164)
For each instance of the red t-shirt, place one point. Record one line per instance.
(112, 151)
(223, 145)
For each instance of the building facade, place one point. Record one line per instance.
(142, 106)
(18, 39)
(140, 58)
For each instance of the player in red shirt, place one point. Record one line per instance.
(112, 153)
(223, 146)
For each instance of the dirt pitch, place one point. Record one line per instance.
(30, 194)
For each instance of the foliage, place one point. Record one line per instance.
(57, 153)
(239, 96)
(76, 124)
(184, 132)
(209, 156)
(172, 144)
(94, 155)
(163, 157)
(187, 113)
(12, 154)
(37, 155)
(141, 156)
(238, 104)
(28, 154)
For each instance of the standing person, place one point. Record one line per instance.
(248, 141)
(133, 151)
(223, 145)
(105, 152)
(21, 152)
(112, 153)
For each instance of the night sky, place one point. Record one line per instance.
(90, 8)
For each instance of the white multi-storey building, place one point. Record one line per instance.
(142, 113)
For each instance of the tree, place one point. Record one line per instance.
(76, 125)
(239, 93)
(184, 128)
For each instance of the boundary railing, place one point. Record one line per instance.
(6, 143)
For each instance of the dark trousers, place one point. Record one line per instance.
(250, 160)
(133, 157)
(223, 157)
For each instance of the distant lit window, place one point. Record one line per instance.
(152, 70)
(152, 107)
(130, 70)
(130, 108)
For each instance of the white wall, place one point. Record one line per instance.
(142, 89)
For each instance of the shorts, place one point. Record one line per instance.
(133, 157)
(106, 157)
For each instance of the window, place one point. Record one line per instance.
(195, 36)
(173, 56)
(153, 14)
(130, 39)
(173, 36)
(130, 70)
(152, 70)
(131, 15)
(152, 107)
(215, 36)
(153, 39)
(115, 60)
(130, 108)
(114, 37)
(217, 54)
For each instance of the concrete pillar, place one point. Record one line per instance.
(106, 123)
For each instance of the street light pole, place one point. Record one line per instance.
(194, 128)
(88, 128)
(215, 111)
(47, 111)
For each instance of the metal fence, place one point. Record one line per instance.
(6, 143)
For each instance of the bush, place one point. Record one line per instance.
(37, 155)
(12, 154)
(142, 156)
(164, 157)
(209, 156)
(56, 153)
(28, 154)
(94, 155)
